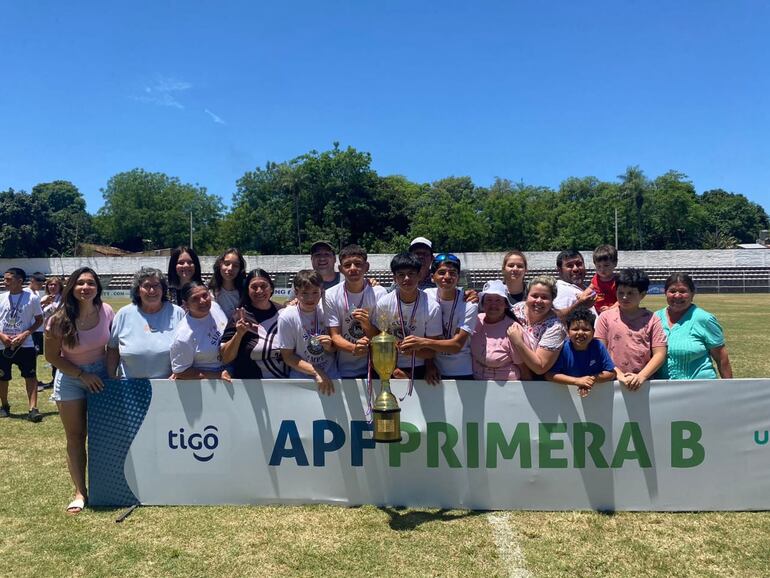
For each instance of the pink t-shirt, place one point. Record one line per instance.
(630, 341)
(494, 357)
(91, 343)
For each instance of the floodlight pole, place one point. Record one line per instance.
(191, 231)
(616, 228)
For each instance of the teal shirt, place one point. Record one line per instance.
(689, 342)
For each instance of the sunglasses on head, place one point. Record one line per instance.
(443, 258)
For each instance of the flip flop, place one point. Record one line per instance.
(76, 506)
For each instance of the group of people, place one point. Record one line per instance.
(179, 328)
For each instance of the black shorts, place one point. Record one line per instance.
(37, 339)
(24, 358)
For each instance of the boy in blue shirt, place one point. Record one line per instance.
(583, 361)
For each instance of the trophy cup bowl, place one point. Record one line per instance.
(386, 414)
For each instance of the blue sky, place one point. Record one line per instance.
(531, 91)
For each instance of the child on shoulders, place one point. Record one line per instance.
(604, 281)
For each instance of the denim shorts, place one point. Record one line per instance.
(66, 388)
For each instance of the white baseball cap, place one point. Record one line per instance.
(421, 241)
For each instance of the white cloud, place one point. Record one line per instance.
(164, 92)
(216, 118)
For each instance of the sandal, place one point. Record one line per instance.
(76, 506)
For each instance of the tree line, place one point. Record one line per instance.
(282, 208)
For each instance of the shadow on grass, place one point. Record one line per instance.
(405, 519)
(23, 416)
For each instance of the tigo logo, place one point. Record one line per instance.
(201, 444)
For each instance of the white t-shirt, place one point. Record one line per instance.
(196, 341)
(338, 305)
(39, 294)
(228, 300)
(455, 315)
(567, 294)
(17, 314)
(144, 340)
(296, 330)
(424, 322)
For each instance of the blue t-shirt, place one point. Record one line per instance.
(575, 363)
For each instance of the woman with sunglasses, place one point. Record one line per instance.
(142, 332)
(458, 319)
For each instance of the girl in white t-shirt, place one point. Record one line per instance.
(195, 348)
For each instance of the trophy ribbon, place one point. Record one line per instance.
(412, 317)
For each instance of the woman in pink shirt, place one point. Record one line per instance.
(493, 354)
(75, 342)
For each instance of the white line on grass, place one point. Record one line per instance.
(508, 546)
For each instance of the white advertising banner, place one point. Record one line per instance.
(695, 445)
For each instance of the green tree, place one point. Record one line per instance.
(448, 212)
(69, 221)
(333, 195)
(263, 218)
(734, 215)
(517, 216)
(152, 210)
(673, 217)
(633, 188)
(584, 214)
(22, 221)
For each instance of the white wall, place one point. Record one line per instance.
(274, 263)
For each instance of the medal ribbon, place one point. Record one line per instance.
(360, 303)
(410, 388)
(448, 329)
(14, 310)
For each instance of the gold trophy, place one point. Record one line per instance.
(386, 414)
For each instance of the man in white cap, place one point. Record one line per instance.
(422, 248)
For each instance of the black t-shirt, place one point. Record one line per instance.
(244, 367)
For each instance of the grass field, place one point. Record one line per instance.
(38, 539)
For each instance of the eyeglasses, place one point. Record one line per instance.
(442, 258)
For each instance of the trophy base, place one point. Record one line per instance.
(387, 425)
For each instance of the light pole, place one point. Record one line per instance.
(191, 230)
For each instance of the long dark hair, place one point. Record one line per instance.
(262, 274)
(63, 321)
(173, 277)
(217, 282)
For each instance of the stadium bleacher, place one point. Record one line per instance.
(707, 279)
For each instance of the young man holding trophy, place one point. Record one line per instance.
(408, 311)
(348, 307)
(458, 320)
